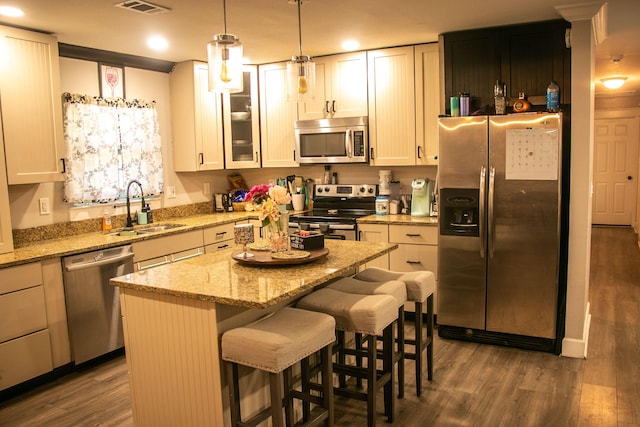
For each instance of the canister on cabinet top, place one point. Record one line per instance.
(464, 104)
(382, 205)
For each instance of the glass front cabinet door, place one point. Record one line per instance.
(241, 124)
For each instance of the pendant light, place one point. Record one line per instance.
(225, 61)
(301, 71)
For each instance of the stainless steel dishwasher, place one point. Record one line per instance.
(93, 306)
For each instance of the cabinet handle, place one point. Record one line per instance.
(201, 157)
(257, 158)
(371, 153)
(294, 155)
(413, 262)
(223, 247)
(419, 155)
(64, 166)
(413, 235)
(220, 234)
(333, 106)
(326, 107)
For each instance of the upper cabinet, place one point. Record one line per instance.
(341, 87)
(242, 124)
(31, 106)
(196, 119)
(277, 117)
(6, 236)
(524, 57)
(392, 117)
(428, 103)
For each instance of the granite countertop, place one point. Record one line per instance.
(400, 219)
(87, 242)
(219, 278)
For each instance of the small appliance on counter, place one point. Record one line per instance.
(421, 197)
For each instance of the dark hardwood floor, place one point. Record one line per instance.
(473, 385)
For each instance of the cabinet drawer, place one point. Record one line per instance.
(414, 258)
(162, 246)
(218, 234)
(22, 312)
(218, 246)
(421, 235)
(24, 358)
(20, 277)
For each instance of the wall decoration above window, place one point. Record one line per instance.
(111, 81)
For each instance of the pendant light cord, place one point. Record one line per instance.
(299, 28)
(224, 14)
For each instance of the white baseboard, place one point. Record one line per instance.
(575, 348)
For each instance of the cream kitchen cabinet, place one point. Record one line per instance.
(277, 117)
(375, 233)
(6, 235)
(218, 237)
(164, 250)
(428, 102)
(341, 88)
(196, 119)
(392, 118)
(31, 107)
(25, 346)
(242, 123)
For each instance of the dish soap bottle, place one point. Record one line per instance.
(106, 221)
(553, 97)
(521, 105)
(147, 209)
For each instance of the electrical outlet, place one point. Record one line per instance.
(44, 206)
(206, 189)
(171, 192)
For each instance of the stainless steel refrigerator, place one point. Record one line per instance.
(501, 242)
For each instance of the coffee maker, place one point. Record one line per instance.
(421, 197)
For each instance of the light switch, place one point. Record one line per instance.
(44, 206)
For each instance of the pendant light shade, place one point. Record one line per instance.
(224, 53)
(301, 71)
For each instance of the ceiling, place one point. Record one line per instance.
(268, 29)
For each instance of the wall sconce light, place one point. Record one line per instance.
(225, 61)
(613, 82)
(301, 71)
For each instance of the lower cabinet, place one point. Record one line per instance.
(417, 248)
(218, 237)
(164, 250)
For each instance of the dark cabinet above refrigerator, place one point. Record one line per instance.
(524, 57)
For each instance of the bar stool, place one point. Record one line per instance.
(394, 288)
(274, 344)
(370, 315)
(421, 285)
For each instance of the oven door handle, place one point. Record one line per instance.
(347, 143)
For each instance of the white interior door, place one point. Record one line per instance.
(615, 168)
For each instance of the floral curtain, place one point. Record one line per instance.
(109, 142)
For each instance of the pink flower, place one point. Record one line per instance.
(264, 199)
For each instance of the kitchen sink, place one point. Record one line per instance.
(146, 230)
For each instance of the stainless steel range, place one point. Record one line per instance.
(336, 208)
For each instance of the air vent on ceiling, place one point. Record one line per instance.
(143, 7)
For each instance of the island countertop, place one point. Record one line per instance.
(219, 278)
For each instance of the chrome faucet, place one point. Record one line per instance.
(129, 219)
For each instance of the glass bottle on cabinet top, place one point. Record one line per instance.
(241, 125)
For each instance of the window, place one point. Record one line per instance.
(109, 142)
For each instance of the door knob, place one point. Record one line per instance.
(629, 177)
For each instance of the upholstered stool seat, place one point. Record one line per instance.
(394, 288)
(370, 315)
(421, 285)
(273, 344)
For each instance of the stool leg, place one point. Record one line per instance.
(288, 397)
(372, 379)
(304, 373)
(430, 337)
(327, 384)
(418, 347)
(342, 379)
(358, 342)
(275, 381)
(388, 367)
(234, 393)
(401, 352)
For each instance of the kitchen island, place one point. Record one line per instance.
(174, 316)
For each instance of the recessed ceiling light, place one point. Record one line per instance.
(11, 11)
(350, 44)
(613, 82)
(157, 43)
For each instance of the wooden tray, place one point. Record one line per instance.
(263, 258)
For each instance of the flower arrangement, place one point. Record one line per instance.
(264, 199)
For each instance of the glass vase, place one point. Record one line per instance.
(277, 233)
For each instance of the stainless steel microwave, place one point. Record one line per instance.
(343, 140)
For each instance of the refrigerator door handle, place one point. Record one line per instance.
(491, 222)
(481, 220)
